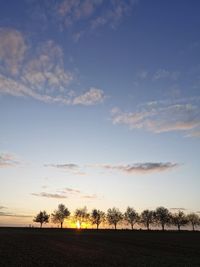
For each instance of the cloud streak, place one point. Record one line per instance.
(142, 168)
(8, 214)
(71, 167)
(90, 196)
(66, 166)
(71, 190)
(49, 195)
(159, 117)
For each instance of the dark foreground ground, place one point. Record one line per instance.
(56, 247)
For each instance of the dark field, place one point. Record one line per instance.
(56, 247)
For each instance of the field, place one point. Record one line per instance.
(62, 247)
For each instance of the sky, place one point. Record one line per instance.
(99, 106)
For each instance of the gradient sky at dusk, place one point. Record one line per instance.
(99, 105)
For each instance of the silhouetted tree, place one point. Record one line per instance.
(81, 215)
(131, 216)
(193, 219)
(41, 217)
(179, 219)
(146, 218)
(97, 217)
(60, 214)
(114, 216)
(162, 216)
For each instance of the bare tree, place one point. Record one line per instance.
(114, 216)
(193, 219)
(147, 218)
(162, 216)
(179, 219)
(41, 217)
(60, 214)
(97, 217)
(81, 215)
(131, 216)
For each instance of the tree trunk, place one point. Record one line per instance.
(132, 226)
(41, 225)
(61, 225)
(163, 227)
(148, 226)
(97, 226)
(115, 226)
(193, 227)
(179, 227)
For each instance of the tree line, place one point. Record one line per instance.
(161, 217)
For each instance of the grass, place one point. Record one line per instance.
(106, 248)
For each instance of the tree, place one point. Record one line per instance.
(114, 216)
(97, 217)
(41, 217)
(131, 216)
(179, 219)
(162, 216)
(193, 219)
(146, 218)
(81, 215)
(60, 214)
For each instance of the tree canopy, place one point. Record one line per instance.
(41, 217)
(60, 214)
(114, 216)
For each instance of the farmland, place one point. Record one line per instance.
(67, 247)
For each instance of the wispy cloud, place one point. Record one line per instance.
(71, 190)
(40, 75)
(94, 13)
(66, 166)
(71, 167)
(195, 133)
(161, 117)
(90, 196)
(165, 74)
(8, 160)
(9, 214)
(49, 195)
(142, 168)
(112, 15)
(12, 50)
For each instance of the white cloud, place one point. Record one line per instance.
(91, 97)
(40, 75)
(161, 117)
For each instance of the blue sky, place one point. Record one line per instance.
(99, 104)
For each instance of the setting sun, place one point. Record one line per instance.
(78, 225)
